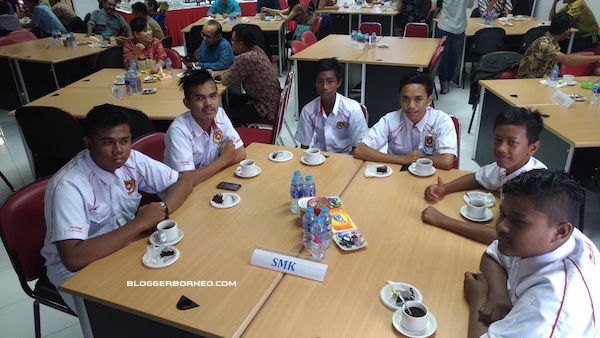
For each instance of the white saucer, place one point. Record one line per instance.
(488, 198)
(486, 217)
(545, 23)
(119, 83)
(321, 160)
(371, 171)
(162, 261)
(426, 332)
(386, 295)
(571, 83)
(229, 200)
(413, 170)
(156, 241)
(282, 156)
(559, 84)
(383, 45)
(258, 170)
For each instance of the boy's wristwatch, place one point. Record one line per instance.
(164, 205)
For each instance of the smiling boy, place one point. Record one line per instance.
(336, 121)
(516, 139)
(541, 277)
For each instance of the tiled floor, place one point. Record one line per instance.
(16, 309)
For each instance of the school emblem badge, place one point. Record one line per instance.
(129, 186)
(341, 125)
(217, 136)
(429, 141)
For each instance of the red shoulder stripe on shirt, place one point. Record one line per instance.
(562, 301)
(587, 289)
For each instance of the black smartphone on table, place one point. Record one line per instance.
(229, 186)
(190, 58)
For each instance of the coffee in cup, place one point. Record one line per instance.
(476, 208)
(424, 166)
(167, 231)
(414, 316)
(246, 168)
(312, 155)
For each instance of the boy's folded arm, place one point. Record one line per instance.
(499, 303)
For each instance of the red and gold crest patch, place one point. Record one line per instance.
(217, 136)
(129, 186)
(429, 141)
(341, 125)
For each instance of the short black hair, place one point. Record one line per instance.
(525, 117)
(560, 23)
(105, 116)
(244, 34)
(140, 8)
(193, 78)
(138, 24)
(292, 3)
(416, 78)
(216, 24)
(153, 3)
(555, 193)
(4, 7)
(325, 65)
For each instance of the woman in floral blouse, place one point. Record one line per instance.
(407, 12)
(147, 51)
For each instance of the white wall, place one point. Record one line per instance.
(82, 7)
(542, 8)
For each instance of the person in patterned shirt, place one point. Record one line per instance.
(585, 22)
(253, 69)
(147, 51)
(63, 12)
(502, 7)
(544, 52)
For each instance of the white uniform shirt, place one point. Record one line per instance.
(188, 146)
(84, 201)
(434, 134)
(339, 132)
(553, 295)
(492, 177)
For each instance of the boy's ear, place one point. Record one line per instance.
(534, 147)
(563, 231)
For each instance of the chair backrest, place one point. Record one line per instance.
(487, 40)
(22, 35)
(442, 41)
(167, 41)
(416, 30)
(370, 27)
(195, 38)
(429, 20)
(297, 46)
(283, 102)
(109, 58)
(530, 36)
(23, 228)
(5, 41)
(475, 13)
(316, 25)
(140, 123)
(308, 38)
(579, 70)
(53, 135)
(436, 61)
(76, 25)
(456, 122)
(175, 58)
(152, 145)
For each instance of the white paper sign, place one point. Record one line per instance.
(286, 264)
(356, 44)
(562, 99)
(117, 92)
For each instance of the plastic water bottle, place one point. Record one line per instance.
(327, 222)
(307, 222)
(57, 36)
(319, 246)
(596, 93)
(130, 83)
(133, 65)
(353, 35)
(296, 194)
(309, 187)
(169, 65)
(137, 80)
(553, 82)
(373, 39)
(299, 176)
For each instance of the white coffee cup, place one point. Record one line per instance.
(417, 321)
(424, 166)
(476, 208)
(520, 17)
(568, 78)
(509, 16)
(167, 231)
(246, 168)
(120, 79)
(312, 155)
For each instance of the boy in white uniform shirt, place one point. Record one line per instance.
(91, 204)
(541, 277)
(202, 141)
(516, 139)
(414, 131)
(337, 121)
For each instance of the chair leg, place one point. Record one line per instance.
(7, 182)
(290, 132)
(472, 117)
(36, 318)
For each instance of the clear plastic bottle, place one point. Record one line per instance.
(596, 93)
(56, 34)
(133, 65)
(353, 35)
(319, 246)
(137, 80)
(295, 194)
(169, 65)
(132, 87)
(553, 81)
(307, 222)
(327, 222)
(309, 187)
(373, 39)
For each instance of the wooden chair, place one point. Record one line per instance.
(416, 30)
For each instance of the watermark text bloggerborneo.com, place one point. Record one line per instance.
(172, 283)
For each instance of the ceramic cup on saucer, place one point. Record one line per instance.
(246, 168)
(509, 16)
(120, 79)
(476, 208)
(167, 231)
(424, 166)
(417, 319)
(568, 78)
(312, 155)
(520, 17)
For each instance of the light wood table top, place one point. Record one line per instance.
(403, 52)
(577, 125)
(375, 10)
(23, 47)
(56, 54)
(333, 45)
(401, 248)
(517, 28)
(217, 246)
(266, 26)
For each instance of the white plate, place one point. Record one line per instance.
(258, 170)
(148, 90)
(282, 156)
(119, 83)
(486, 217)
(180, 75)
(162, 261)
(520, 19)
(545, 23)
(489, 198)
(386, 294)
(371, 171)
(363, 242)
(426, 332)
(560, 83)
(156, 241)
(571, 83)
(149, 79)
(321, 160)
(383, 45)
(413, 170)
(229, 200)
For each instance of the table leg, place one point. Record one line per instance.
(569, 160)
(476, 121)
(571, 39)
(363, 79)
(391, 25)
(349, 23)
(282, 53)
(20, 75)
(346, 80)
(296, 110)
(55, 77)
(462, 62)
(359, 21)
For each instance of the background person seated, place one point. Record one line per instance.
(587, 36)
(8, 22)
(107, 21)
(224, 7)
(139, 10)
(147, 51)
(296, 12)
(63, 12)
(43, 21)
(502, 7)
(214, 52)
(157, 12)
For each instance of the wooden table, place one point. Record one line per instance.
(217, 246)
(401, 248)
(571, 138)
(370, 12)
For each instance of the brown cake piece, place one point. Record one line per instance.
(382, 169)
(218, 198)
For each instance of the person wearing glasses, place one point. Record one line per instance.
(214, 52)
